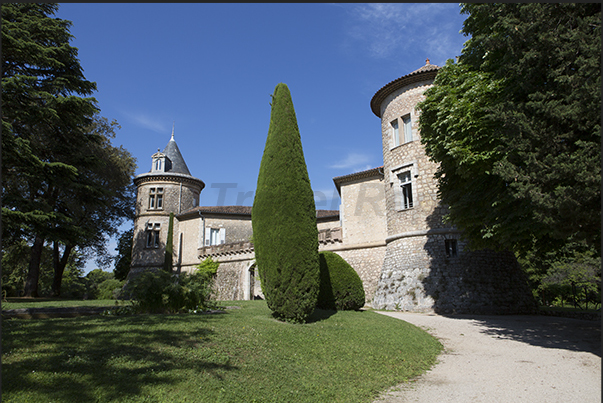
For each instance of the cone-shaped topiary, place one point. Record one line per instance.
(340, 286)
(283, 218)
(169, 246)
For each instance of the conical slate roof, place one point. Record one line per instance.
(173, 153)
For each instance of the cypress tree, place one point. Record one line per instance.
(169, 246)
(283, 218)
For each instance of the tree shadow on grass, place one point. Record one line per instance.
(320, 314)
(543, 331)
(107, 358)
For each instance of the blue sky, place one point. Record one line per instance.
(211, 69)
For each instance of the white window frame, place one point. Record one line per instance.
(156, 198)
(159, 201)
(407, 124)
(152, 199)
(215, 236)
(406, 189)
(403, 182)
(395, 130)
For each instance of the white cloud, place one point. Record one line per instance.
(386, 30)
(354, 162)
(148, 122)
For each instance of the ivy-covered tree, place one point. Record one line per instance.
(515, 127)
(283, 218)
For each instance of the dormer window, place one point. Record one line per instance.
(159, 162)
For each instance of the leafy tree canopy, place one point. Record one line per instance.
(63, 181)
(515, 127)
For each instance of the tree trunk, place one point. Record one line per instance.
(31, 284)
(59, 267)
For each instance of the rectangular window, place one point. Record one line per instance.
(406, 185)
(450, 245)
(407, 128)
(152, 198)
(156, 198)
(395, 133)
(159, 198)
(153, 235)
(214, 236)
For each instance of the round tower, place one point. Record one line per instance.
(426, 266)
(167, 188)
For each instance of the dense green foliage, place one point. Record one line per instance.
(62, 180)
(123, 260)
(515, 128)
(169, 246)
(240, 356)
(284, 218)
(340, 286)
(162, 291)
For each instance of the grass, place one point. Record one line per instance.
(15, 303)
(243, 355)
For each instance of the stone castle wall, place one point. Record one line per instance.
(362, 211)
(419, 272)
(408, 156)
(482, 282)
(367, 261)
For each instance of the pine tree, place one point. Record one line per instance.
(62, 180)
(284, 218)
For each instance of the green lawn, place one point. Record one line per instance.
(243, 355)
(15, 303)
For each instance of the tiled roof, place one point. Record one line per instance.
(427, 72)
(231, 210)
(245, 210)
(338, 180)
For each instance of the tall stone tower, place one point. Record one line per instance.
(426, 266)
(167, 188)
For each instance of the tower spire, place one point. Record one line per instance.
(173, 124)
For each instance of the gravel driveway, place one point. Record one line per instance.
(506, 359)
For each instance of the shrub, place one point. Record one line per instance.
(109, 289)
(284, 218)
(340, 286)
(158, 291)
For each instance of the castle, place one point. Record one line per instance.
(389, 226)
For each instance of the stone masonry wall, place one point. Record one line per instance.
(363, 213)
(418, 276)
(367, 262)
(411, 155)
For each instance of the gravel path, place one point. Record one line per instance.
(506, 359)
